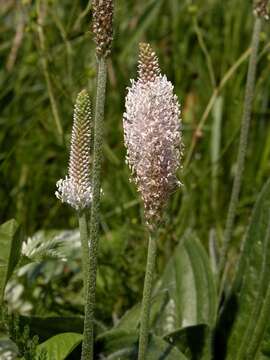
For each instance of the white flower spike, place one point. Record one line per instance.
(152, 134)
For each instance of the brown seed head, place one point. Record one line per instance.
(260, 9)
(102, 26)
(148, 67)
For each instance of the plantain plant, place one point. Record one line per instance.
(193, 310)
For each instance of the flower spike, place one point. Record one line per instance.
(102, 26)
(152, 134)
(75, 189)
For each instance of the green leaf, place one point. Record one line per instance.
(117, 341)
(10, 245)
(60, 346)
(122, 344)
(185, 296)
(246, 313)
(190, 284)
(159, 349)
(131, 318)
(192, 341)
(264, 351)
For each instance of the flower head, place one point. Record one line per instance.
(75, 189)
(260, 9)
(152, 134)
(102, 26)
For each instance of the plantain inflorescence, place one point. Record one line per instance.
(76, 189)
(152, 134)
(103, 26)
(260, 9)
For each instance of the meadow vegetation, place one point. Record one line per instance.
(47, 57)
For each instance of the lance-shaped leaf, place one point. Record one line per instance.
(184, 296)
(10, 245)
(59, 346)
(193, 341)
(122, 344)
(191, 287)
(248, 308)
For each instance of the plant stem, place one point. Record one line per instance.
(44, 63)
(208, 59)
(84, 235)
(147, 290)
(212, 101)
(86, 264)
(249, 94)
(88, 339)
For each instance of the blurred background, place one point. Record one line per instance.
(203, 47)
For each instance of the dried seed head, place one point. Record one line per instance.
(152, 135)
(260, 9)
(148, 68)
(75, 189)
(102, 26)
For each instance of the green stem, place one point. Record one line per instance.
(86, 264)
(249, 94)
(208, 59)
(88, 339)
(146, 301)
(84, 235)
(45, 69)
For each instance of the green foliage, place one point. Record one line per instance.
(247, 309)
(26, 344)
(47, 289)
(122, 345)
(190, 284)
(185, 295)
(49, 326)
(10, 243)
(193, 341)
(59, 346)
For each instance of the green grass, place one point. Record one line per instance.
(187, 38)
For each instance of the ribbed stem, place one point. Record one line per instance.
(88, 339)
(84, 235)
(88, 318)
(249, 94)
(147, 291)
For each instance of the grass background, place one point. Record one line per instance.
(197, 42)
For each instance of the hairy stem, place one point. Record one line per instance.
(86, 264)
(249, 94)
(88, 340)
(84, 235)
(146, 301)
